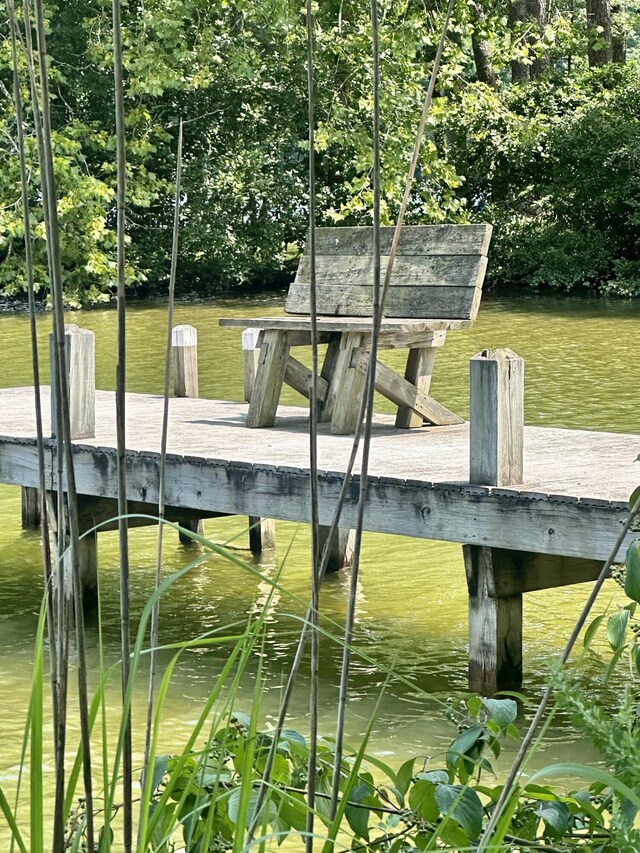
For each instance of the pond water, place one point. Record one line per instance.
(581, 371)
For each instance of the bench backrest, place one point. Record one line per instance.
(438, 272)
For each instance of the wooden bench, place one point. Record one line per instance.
(435, 287)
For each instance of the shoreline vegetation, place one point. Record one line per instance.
(533, 128)
(516, 136)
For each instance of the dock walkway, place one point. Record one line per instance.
(549, 530)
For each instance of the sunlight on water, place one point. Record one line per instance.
(581, 371)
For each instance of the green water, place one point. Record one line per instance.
(581, 371)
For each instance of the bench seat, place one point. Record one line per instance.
(346, 324)
(435, 287)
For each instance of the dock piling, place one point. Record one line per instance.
(30, 508)
(81, 381)
(184, 343)
(496, 432)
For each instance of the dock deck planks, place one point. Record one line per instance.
(574, 495)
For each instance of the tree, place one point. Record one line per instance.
(599, 32)
(480, 46)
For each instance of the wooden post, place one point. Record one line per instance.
(341, 552)
(346, 390)
(81, 381)
(496, 427)
(250, 353)
(195, 525)
(262, 534)
(30, 508)
(496, 433)
(87, 552)
(184, 343)
(495, 626)
(271, 366)
(418, 371)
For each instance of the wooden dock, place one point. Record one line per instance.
(554, 528)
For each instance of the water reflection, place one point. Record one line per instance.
(581, 371)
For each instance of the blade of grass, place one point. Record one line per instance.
(5, 808)
(121, 200)
(155, 615)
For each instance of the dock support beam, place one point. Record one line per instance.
(184, 346)
(262, 531)
(262, 534)
(496, 433)
(30, 508)
(341, 551)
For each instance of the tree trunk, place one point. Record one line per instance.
(618, 32)
(480, 47)
(598, 32)
(517, 21)
(537, 14)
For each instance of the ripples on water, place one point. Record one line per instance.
(581, 371)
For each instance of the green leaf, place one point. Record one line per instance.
(404, 776)
(439, 776)
(462, 744)
(556, 817)
(422, 800)
(634, 498)
(503, 711)
(617, 629)
(589, 634)
(358, 818)
(474, 704)
(463, 805)
(632, 579)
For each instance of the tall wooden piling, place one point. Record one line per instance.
(341, 549)
(184, 346)
(30, 508)
(184, 343)
(496, 432)
(80, 345)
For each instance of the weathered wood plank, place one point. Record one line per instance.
(325, 411)
(347, 386)
(298, 377)
(495, 628)
(80, 347)
(415, 240)
(265, 393)
(340, 550)
(450, 512)
(262, 534)
(418, 372)
(519, 571)
(455, 302)
(496, 418)
(250, 353)
(184, 344)
(408, 271)
(403, 393)
(348, 324)
(30, 508)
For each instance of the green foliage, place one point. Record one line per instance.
(554, 166)
(553, 162)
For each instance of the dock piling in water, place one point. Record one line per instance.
(496, 433)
